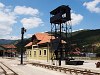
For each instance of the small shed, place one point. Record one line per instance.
(8, 50)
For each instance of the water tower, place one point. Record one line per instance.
(60, 19)
(62, 30)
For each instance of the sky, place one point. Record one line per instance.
(34, 16)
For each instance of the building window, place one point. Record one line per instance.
(40, 52)
(30, 53)
(45, 52)
(34, 53)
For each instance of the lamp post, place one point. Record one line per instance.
(23, 30)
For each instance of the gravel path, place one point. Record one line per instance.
(28, 69)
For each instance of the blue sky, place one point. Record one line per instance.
(34, 15)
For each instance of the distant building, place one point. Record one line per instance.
(8, 50)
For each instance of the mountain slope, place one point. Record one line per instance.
(4, 41)
(87, 36)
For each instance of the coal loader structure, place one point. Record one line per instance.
(61, 29)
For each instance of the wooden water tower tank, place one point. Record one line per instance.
(60, 15)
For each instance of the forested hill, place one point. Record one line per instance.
(87, 36)
(83, 36)
(5, 41)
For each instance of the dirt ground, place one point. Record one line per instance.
(28, 69)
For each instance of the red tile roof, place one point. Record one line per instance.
(10, 50)
(29, 44)
(44, 37)
(8, 46)
(40, 36)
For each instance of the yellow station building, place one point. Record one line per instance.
(39, 47)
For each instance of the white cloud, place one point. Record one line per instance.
(92, 6)
(2, 5)
(7, 20)
(10, 37)
(29, 35)
(10, 16)
(32, 22)
(14, 37)
(78, 30)
(23, 10)
(76, 18)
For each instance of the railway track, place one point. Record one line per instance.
(5, 70)
(64, 69)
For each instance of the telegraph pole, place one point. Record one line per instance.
(23, 30)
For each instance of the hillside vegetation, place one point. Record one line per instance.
(86, 36)
(82, 37)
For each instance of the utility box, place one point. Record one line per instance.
(60, 14)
